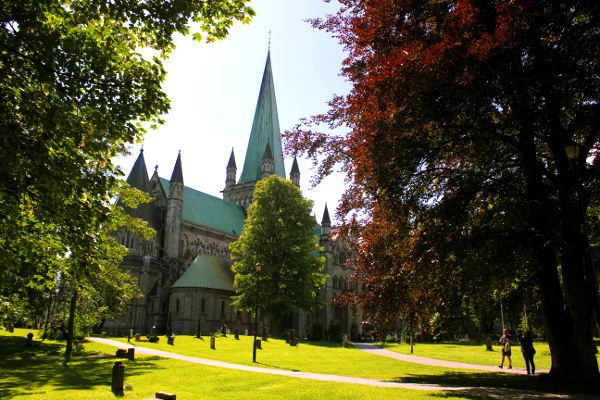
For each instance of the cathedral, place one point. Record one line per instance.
(184, 272)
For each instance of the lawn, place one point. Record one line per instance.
(40, 373)
(332, 358)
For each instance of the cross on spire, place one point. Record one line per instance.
(270, 39)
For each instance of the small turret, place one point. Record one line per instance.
(325, 222)
(174, 211)
(295, 173)
(267, 162)
(231, 171)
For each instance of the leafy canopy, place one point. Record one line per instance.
(278, 236)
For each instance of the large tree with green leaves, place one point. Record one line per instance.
(278, 236)
(473, 154)
(79, 80)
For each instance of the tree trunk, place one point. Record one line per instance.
(71, 325)
(567, 328)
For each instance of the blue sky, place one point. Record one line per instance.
(214, 87)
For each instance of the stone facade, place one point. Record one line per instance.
(184, 271)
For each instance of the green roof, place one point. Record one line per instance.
(207, 272)
(209, 211)
(265, 129)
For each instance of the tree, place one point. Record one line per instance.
(473, 154)
(278, 236)
(74, 90)
(77, 85)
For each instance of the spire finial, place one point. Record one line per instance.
(270, 39)
(156, 169)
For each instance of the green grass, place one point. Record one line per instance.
(331, 358)
(40, 373)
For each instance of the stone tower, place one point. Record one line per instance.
(174, 211)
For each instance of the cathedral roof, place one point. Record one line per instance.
(209, 211)
(207, 272)
(177, 175)
(138, 177)
(326, 220)
(265, 130)
(295, 166)
(231, 163)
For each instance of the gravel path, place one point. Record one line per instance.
(374, 349)
(492, 393)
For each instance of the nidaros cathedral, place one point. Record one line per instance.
(184, 272)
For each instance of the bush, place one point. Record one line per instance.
(335, 331)
(316, 332)
(153, 339)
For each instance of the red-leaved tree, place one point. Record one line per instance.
(472, 156)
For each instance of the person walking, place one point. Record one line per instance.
(506, 343)
(528, 351)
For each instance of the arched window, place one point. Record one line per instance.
(223, 308)
(203, 306)
(177, 305)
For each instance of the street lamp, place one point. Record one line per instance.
(258, 268)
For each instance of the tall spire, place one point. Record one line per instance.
(265, 130)
(177, 175)
(138, 177)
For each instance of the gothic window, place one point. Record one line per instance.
(177, 306)
(202, 306)
(223, 308)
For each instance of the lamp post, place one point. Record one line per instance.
(258, 268)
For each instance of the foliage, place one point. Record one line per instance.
(460, 118)
(278, 237)
(335, 330)
(78, 81)
(316, 332)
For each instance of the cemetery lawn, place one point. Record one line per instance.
(40, 373)
(332, 358)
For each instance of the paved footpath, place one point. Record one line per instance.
(374, 349)
(493, 393)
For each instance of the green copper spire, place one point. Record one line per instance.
(265, 130)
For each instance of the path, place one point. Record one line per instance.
(374, 349)
(495, 393)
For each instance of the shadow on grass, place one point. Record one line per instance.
(30, 370)
(484, 385)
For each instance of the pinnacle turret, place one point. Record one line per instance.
(177, 175)
(295, 173)
(325, 222)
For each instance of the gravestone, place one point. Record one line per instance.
(213, 343)
(29, 342)
(345, 341)
(138, 336)
(121, 353)
(224, 330)
(118, 378)
(488, 344)
(171, 340)
(236, 334)
(258, 344)
(264, 333)
(131, 353)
